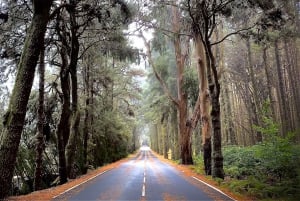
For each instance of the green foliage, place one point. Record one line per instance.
(190, 85)
(239, 162)
(267, 170)
(277, 154)
(256, 171)
(199, 164)
(159, 42)
(111, 138)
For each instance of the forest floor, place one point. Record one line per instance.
(48, 194)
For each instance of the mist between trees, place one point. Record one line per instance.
(222, 83)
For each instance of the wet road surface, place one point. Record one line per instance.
(144, 177)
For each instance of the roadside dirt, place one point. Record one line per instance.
(48, 194)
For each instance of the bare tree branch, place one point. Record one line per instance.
(232, 33)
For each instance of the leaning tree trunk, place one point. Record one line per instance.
(40, 145)
(15, 116)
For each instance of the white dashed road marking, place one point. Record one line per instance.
(144, 182)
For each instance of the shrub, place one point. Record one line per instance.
(267, 170)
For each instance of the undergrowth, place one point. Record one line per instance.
(260, 172)
(266, 171)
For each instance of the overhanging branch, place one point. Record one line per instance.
(232, 33)
(157, 75)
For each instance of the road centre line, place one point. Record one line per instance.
(143, 191)
(214, 188)
(144, 182)
(80, 184)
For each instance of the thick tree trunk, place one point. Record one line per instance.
(40, 146)
(71, 146)
(185, 132)
(217, 162)
(214, 91)
(15, 116)
(63, 127)
(204, 104)
(185, 136)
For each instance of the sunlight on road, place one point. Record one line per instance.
(145, 148)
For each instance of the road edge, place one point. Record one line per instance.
(216, 189)
(73, 187)
(184, 168)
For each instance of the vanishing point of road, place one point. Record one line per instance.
(144, 177)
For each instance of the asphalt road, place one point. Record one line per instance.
(144, 177)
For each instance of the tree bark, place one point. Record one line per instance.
(40, 146)
(231, 131)
(185, 133)
(165, 139)
(295, 107)
(71, 146)
(255, 101)
(203, 26)
(269, 83)
(281, 92)
(63, 127)
(204, 104)
(86, 115)
(175, 136)
(15, 116)
(214, 91)
(184, 125)
(156, 142)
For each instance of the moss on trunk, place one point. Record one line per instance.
(11, 134)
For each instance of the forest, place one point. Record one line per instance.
(213, 84)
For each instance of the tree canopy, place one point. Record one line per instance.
(216, 81)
